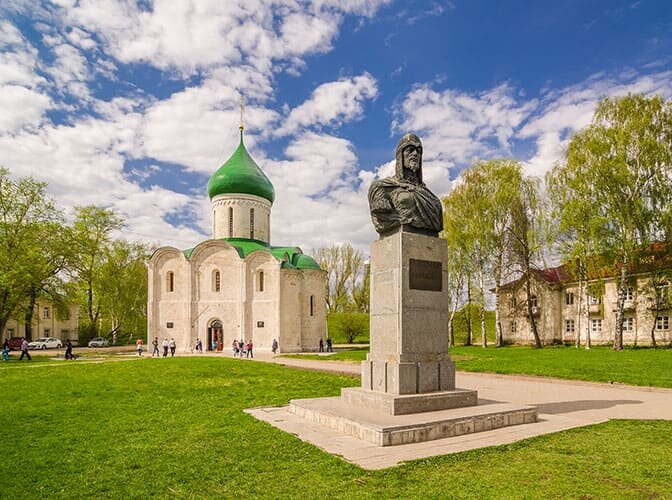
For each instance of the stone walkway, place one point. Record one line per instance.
(562, 405)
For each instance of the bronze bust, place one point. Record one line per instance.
(403, 202)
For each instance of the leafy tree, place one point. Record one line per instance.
(91, 238)
(123, 288)
(527, 236)
(343, 265)
(616, 174)
(29, 225)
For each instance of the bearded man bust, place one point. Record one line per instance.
(403, 202)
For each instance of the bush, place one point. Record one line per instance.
(348, 328)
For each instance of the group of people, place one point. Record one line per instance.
(165, 345)
(241, 348)
(329, 346)
(24, 350)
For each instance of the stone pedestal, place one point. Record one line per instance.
(408, 392)
(409, 329)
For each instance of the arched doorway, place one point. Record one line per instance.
(215, 341)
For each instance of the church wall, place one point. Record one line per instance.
(314, 327)
(291, 299)
(262, 319)
(241, 205)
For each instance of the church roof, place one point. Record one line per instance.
(291, 257)
(240, 175)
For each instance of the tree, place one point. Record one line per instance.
(91, 234)
(617, 174)
(478, 213)
(526, 235)
(343, 265)
(29, 225)
(123, 288)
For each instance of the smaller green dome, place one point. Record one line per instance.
(240, 174)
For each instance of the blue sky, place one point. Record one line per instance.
(133, 104)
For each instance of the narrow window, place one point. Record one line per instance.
(512, 302)
(251, 223)
(628, 324)
(261, 281)
(214, 222)
(663, 323)
(513, 327)
(312, 305)
(45, 313)
(170, 281)
(569, 326)
(629, 292)
(569, 298)
(593, 300)
(662, 294)
(230, 222)
(596, 325)
(216, 281)
(533, 301)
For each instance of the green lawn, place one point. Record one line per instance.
(640, 366)
(175, 428)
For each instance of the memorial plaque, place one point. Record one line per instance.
(425, 275)
(169, 324)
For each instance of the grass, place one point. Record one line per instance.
(635, 366)
(352, 355)
(175, 428)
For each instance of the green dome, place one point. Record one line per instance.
(240, 174)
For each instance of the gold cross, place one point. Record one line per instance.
(242, 107)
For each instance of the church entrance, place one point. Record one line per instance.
(215, 341)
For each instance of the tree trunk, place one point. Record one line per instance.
(533, 323)
(499, 336)
(587, 317)
(451, 328)
(481, 312)
(620, 303)
(28, 317)
(653, 328)
(468, 341)
(579, 315)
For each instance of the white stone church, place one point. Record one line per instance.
(236, 285)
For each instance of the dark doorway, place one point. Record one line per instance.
(215, 341)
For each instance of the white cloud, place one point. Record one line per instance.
(332, 103)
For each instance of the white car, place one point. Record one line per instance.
(45, 343)
(99, 342)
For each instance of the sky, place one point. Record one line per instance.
(133, 104)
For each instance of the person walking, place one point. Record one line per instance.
(199, 346)
(321, 345)
(172, 347)
(249, 353)
(329, 348)
(24, 350)
(274, 346)
(5, 352)
(68, 350)
(241, 347)
(138, 345)
(155, 347)
(164, 344)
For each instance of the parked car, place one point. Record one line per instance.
(99, 342)
(15, 343)
(45, 343)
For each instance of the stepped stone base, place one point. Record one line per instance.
(404, 404)
(382, 429)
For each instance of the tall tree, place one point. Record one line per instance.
(479, 214)
(29, 224)
(617, 171)
(123, 289)
(91, 238)
(343, 265)
(527, 237)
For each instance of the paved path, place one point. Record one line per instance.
(562, 405)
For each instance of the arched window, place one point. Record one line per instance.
(312, 305)
(251, 223)
(216, 281)
(214, 221)
(230, 222)
(170, 281)
(260, 281)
